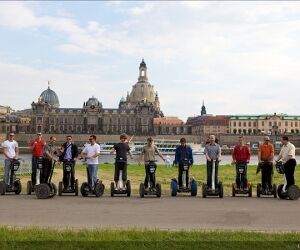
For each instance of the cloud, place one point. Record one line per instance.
(223, 52)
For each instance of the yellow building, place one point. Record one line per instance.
(264, 124)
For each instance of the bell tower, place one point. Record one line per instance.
(143, 72)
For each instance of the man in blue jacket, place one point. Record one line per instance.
(183, 154)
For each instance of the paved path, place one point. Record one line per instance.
(266, 214)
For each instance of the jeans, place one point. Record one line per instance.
(93, 169)
(180, 172)
(150, 176)
(6, 171)
(120, 166)
(209, 173)
(266, 175)
(241, 179)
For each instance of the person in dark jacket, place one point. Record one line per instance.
(183, 154)
(69, 152)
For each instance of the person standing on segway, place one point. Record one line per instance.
(287, 156)
(183, 153)
(265, 161)
(212, 153)
(121, 149)
(36, 147)
(91, 152)
(10, 151)
(149, 152)
(69, 152)
(50, 155)
(241, 156)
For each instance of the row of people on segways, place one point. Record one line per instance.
(68, 153)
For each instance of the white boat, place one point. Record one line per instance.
(166, 147)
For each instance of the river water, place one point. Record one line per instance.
(198, 159)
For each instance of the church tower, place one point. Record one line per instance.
(203, 109)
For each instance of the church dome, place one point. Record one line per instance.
(92, 101)
(142, 90)
(50, 97)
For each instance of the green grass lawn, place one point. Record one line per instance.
(33, 238)
(136, 174)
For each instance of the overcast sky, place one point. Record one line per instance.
(240, 57)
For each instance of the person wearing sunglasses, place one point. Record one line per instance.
(265, 161)
(69, 152)
(10, 151)
(37, 149)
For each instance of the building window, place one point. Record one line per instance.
(291, 124)
(240, 124)
(234, 124)
(286, 124)
(245, 124)
(263, 123)
(249, 124)
(270, 124)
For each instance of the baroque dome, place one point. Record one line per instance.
(50, 97)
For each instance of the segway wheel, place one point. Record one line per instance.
(112, 189)
(29, 187)
(60, 188)
(158, 190)
(221, 190)
(173, 187)
(293, 192)
(98, 189)
(204, 190)
(258, 190)
(76, 187)
(250, 189)
(279, 191)
(194, 188)
(18, 187)
(84, 189)
(142, 190)
(274, 190)
(128, 188)
(2, 188)
(42, 191)
(233, 189)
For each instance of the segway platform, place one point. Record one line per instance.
(218, 191)
(14, 185)
(241, 168)
(98, 189)
(120, 190)
(260, 191)
(71, 189)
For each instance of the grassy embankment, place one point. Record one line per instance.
(136, 174)
(33, 238)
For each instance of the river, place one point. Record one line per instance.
(198, 159)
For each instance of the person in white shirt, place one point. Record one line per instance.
(91, 152)
(10, 151)
(287, 156)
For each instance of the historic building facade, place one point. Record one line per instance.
(134, 115)
(265, 124)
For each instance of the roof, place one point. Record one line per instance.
(171, 120)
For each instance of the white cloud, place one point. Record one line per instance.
(219, 51)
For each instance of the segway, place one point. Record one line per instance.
(39, 167)
(242, 188)
(269, 190)
(292, 192)
(154, 189)
(122, 188)
(192, 184)
(86, 187)
(48, 189)
(216, 189)
(71, 188)
(14, 185)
